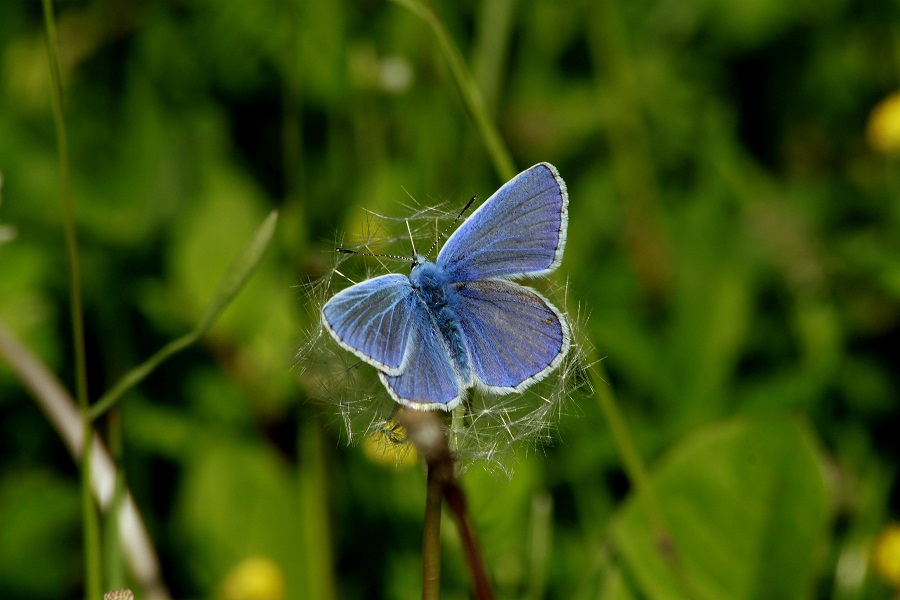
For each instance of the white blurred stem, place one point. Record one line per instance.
(61, 410)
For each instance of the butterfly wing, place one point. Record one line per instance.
(520, 230)
(515, 336)
(429, 379)
(372, 319)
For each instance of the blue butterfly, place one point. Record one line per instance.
(460, 321)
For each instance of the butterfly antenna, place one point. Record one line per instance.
(358, 253)
(450, 226)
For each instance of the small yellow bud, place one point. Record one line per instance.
(883, 131)
(886, 556)
(254, 578)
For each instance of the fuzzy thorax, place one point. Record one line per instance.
(438, 294)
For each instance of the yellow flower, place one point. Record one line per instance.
(254, 578)
(883, 131)
(886, 556)
(389, 446)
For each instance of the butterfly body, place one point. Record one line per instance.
(438, 295)
(460, 321)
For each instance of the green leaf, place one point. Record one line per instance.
(746, 503)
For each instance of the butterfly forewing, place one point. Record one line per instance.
(515, 336)
(519, 231)
(372, 319)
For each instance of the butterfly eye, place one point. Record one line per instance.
(417, 261)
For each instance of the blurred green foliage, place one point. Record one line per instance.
(734, 243)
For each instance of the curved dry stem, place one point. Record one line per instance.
(63, 414)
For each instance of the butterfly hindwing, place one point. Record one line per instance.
(515, 336)
(429, 379)
(520, 230)
(373, 318)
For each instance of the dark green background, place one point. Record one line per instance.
(733, 251)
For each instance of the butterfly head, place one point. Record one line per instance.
(417, 261)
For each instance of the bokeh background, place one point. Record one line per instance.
(733, 251)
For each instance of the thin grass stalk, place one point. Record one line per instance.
(431, 539)
(492, 46)
(230, 285)
(138, 374)
(634, 464)
(293, 162)
(93, 565)
(114, 568)
(640, 478)
(468, 89)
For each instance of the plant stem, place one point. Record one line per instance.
(431, 539)
(93, 573)
(115, 566)
(456, 502)
(429, 435)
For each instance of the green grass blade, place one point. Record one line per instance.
(92, 550)
(235, 279)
